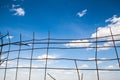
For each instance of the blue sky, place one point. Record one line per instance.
(57, 16)
(64, 19)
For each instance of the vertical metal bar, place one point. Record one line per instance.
(47, 56)
(82, 76)
(6, 62)
(115, 47)
(18, 57)
(31, 56)
(51, 76)
(1, 47)
(96, 57)
(77, 70)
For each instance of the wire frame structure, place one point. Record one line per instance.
(24, 59)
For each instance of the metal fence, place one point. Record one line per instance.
(19, 60)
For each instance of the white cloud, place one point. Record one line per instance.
(84, 66)
(14, 6)
(49, 56)
(114, 19)
(101, 32)
(78, 43)
(94, 58)
(91, 58)
(105, 44)
(6, 62)
(19, 11)
(109, 67)
(44, 56)
(9, 37)
(105, 31)
(81, 14)
(98, 62)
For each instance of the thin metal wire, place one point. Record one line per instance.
(85, 38)
(68, 59)
(6, 62)
(82, 76)
(77, 70)
(30, 46)
(96, 52)
(18, 58)
(38, 48)
(26, 42)
(115, 47)
(32, 51)
(1, 47)
(3, 36)
(73, 69)
(51, 76)
(46, 61)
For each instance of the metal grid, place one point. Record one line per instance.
(9, 48)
